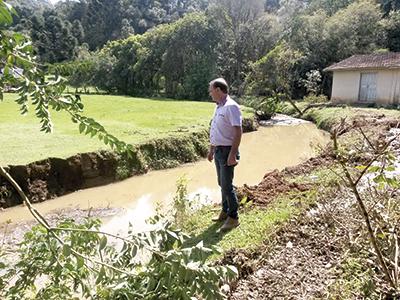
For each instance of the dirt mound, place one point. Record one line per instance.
(309, 165)
(301, 261)
(273, 184)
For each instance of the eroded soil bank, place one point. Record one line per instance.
(307, 257)
(54, 177)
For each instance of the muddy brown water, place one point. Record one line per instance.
(269, 148)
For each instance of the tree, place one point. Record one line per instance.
(77, 259)
(274, 73)
(330, 7)
(237, 19)
(22, 73)
(189, 60)
(392, 28)
(389, 6)
(355, 29)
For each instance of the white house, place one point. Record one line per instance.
(371, 78)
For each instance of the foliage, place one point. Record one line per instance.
(57, 30)
(25, 77)
(265, 107)
(313, 99)
(373, 184)
(96, 265)
(274, 72)
(312, 82)
(181, 202)
(176, 59)
(365, 34)
(392, 28)
(223, 38)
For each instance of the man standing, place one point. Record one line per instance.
(225, 136)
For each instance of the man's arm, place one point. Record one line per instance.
(211, 151)
(235, 146)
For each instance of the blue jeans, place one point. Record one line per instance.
(225, 177)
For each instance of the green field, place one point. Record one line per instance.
(133, 120)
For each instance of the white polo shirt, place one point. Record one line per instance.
(226, 116)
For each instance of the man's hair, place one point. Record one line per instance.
(221, 84)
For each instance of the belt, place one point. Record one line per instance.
(222, 147)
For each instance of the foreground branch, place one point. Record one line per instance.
(42, 221)
(361, 204)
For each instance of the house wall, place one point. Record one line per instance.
(388, 87)
(346, 86)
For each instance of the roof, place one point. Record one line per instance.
(390, 60)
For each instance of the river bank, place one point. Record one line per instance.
(320, 252)
(54, 177)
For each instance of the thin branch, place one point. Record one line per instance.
(46, 225)
(380, 153)
(367, 220)
(153, 250)
(396, 260)
(366, 138)
(295, 106)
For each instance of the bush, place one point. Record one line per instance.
(313, 99)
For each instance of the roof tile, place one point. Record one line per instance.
(390, 60)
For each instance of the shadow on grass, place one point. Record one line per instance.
(210, 236)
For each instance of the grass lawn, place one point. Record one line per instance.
(133, 120)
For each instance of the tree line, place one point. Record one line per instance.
(173, 48)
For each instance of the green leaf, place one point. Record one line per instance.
(82, 127)
(232, 271)
(374, 169)
(66, 250)
(173, 234)
(379, 179)
(5, 16)
(101, 275)
(103, 243)
(79, 262)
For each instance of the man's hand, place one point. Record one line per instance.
(210, 156)
(231, 160)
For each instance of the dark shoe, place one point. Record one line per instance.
(222, 217)
(229, 224)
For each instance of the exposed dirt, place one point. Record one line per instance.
(272, 185)
(303, 259)
(299, 263)
(276, 182)
(54, 177)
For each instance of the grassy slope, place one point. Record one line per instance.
(256, 223)
(133, 120)
(325, 118)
